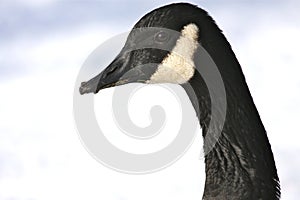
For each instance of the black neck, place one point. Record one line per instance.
(240, 165)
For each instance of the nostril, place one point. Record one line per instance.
(110, 71)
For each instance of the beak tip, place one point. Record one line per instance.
(84, 88)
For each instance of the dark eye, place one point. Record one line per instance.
(161, 37)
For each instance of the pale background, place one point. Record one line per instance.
(42, 47)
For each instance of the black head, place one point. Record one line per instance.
(159, 49)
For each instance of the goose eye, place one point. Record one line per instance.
(161, 37)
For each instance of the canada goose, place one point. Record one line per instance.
(241, 163)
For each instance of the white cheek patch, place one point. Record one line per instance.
(178, 67)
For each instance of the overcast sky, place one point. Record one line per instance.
(42, 47)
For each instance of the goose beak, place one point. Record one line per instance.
(109, 77)
(119, 72)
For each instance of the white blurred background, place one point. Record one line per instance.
(42, 47)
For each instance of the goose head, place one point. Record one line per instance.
(159, 49)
